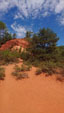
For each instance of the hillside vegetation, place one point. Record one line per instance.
(42, 51)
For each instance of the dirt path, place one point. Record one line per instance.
(33, 95)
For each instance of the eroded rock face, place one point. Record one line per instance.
(16, 43)
(18, 48)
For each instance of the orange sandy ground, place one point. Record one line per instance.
(37, 94)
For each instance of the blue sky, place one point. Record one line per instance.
(25, 15)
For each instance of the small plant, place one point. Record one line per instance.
(17, 68)
(22, 76)
(60, 78)
(48, 67)
(38, 71)
(8, 56)
(35, 63)
(15, 73)
(20, 49)
(2, 73)
(22, 68)
(19, 72)
(27, 68)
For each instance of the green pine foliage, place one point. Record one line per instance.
(44, 53)
(4, 34)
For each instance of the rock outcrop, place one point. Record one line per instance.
(15, 43)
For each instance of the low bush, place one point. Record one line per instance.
(46, 67)
(19, 71)
(28, 63)
(22, 68)
(38, 71)
(60, 75)
(60, 78)
(9, 56)
(27, 68)
(36, 63)
(17, 68)
(25, 55)
(22, 75)
(15, 73)
(2, 73)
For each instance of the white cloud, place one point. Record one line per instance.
(60, 6)
(18, 15)
(34, 8)
(5, 5)
(20, 30)
(45, 14)
(61, 19)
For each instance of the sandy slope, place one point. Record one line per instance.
(36, 94)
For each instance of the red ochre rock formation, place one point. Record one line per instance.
(15, 42)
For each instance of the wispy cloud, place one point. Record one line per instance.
(20, 30)
(59, 6)
(33, 8)
(61, 19)
(18, 15)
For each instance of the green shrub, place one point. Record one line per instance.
(2, 73)
(19, 71)
(28, 63)
(9, 56)
(15, 73)
(20, 49)
(22, 76)
(60, 78)
(17, 68)
(36, 63)
(25, 55)
(46, 67)
(22, 68)
(27, 68)
(38, 71)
